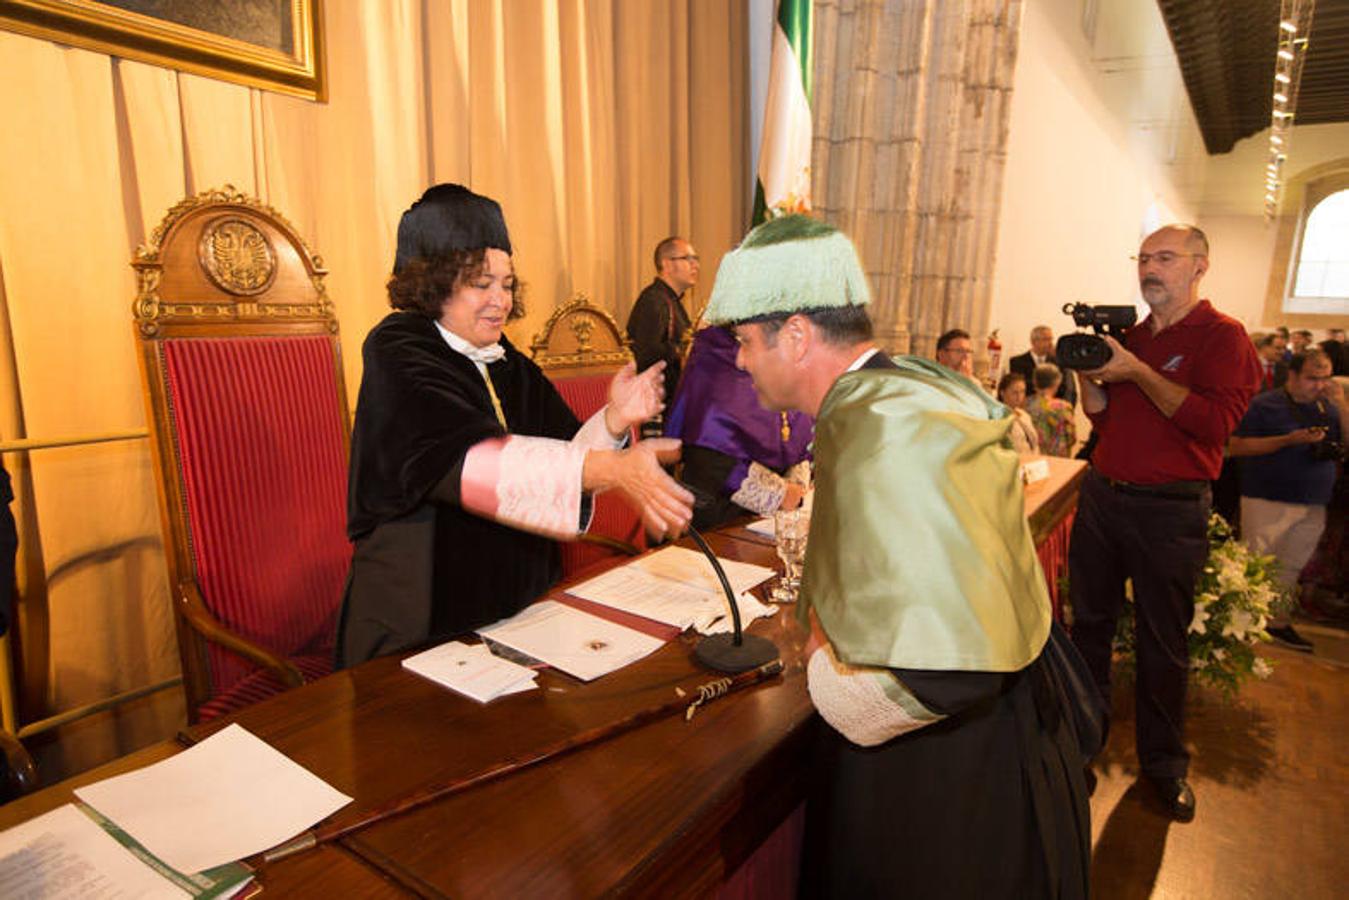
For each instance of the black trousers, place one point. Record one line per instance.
(1160, 544)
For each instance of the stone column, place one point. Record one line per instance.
(912, 103)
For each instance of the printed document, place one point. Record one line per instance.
(575, 642)
(675, 585)
(472, 670)
(64, 854)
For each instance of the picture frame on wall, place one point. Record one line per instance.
(275, 45)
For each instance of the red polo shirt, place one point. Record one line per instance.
(1210, 354)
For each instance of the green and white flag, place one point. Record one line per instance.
(784, 157)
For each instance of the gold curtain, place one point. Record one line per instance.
(912, 104)
(601, 127)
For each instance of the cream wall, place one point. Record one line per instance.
(1103, 144)
(1244, 243)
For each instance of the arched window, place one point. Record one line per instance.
(1323, 260)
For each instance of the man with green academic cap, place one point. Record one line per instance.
(945, 766)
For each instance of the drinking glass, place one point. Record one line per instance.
(790, 528)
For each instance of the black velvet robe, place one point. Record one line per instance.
(990, 802)
(425, 569)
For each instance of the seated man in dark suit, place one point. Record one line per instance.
(1042, 351)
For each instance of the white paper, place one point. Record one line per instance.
(1035, 470)
(675, 585)
(471, 670)
(64, 854)
(722, 623)
(764, 527)
(575, 642)
(226, 798)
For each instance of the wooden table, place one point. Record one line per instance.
(671, 808)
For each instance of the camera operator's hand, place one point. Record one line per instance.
(1164, 393)
(1122, 365)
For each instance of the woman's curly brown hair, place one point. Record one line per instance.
(424, 284)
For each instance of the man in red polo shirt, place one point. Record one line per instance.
(1163, 407)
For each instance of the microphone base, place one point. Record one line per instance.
(720, 652)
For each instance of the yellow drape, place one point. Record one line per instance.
(601, 127)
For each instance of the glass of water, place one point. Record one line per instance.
(790, 528)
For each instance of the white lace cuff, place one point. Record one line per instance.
(762, 490)
(594, 434)
(530, 483)
(868, 706)
(799, 474)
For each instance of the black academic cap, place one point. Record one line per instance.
(449, 217)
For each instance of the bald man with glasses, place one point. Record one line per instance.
(1163, 407)
(658, 321)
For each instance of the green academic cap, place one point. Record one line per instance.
(784, 266)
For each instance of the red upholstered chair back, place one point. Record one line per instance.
(250, 429)
(580, 349)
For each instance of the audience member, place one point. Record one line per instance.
(1273, 370)
(1042, 351)
(956, 352)
(1281, 341)
(1288, 443)
(1163, 407)
(1299, 340)
(1055, 420)
(1012, 393)
(1337, 350)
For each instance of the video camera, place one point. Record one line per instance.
(1089, 351)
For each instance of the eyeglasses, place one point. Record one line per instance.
(691, 257)
(1165, 258)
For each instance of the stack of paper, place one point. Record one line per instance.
(471, 670)
(172, 829)
(575, 642)
(674, 585)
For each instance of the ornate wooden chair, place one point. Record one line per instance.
(580, 349)
(250, 434)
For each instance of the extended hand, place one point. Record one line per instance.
(634, 398)
(666, 507)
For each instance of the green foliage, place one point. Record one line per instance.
(1233, 601)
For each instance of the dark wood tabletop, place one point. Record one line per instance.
(672, 806)
(669, 808)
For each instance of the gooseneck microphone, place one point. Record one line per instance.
(737, 651)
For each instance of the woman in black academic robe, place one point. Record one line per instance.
(465, 461)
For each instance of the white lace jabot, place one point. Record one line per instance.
(480, 355)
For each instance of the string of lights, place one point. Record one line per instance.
(1295, 22)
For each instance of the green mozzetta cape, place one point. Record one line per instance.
(920, 556)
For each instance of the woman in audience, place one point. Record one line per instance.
(465, 461)
(1012, 393)
(1053, 418)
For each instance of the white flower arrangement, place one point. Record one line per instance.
(1233, 601)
